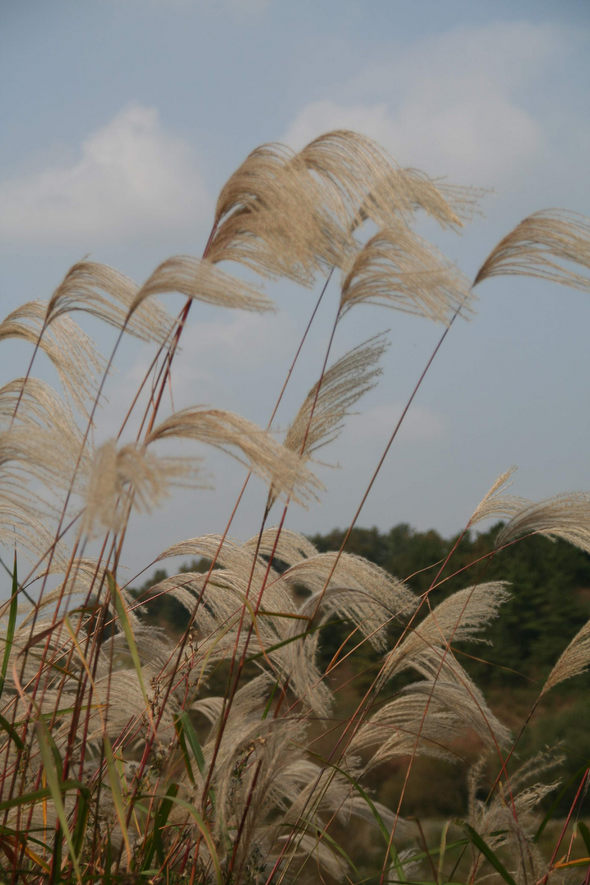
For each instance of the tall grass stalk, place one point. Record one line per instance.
(128, 753)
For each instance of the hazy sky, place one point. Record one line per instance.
(121, 120)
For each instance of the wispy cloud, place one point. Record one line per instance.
(131, 177)
(452, 104)
(421, 425)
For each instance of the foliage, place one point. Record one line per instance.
(231, 752)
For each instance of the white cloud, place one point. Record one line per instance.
(222, 363)
(131, 178)
(219, 357)
(450, 104)
(421, 425)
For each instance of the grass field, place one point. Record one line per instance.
(251, 747)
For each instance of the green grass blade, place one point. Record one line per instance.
(326, 837)
(585, 834)
(442, 849)
(155, 844)
(117, 793)
(40, 795)
(56, 858)
(550, 814)
(9, 729)
(11, 626)
(201, 824)
(82, 812)
(188, 736)
(186, 728)
(49, 756)
(184, 750)
(488, 853)
(121, 610)
(376, 816)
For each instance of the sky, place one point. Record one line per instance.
(122, 119)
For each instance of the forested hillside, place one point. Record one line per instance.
(549, 584)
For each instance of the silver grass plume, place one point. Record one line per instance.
(268, 792)
(406, 725)
(200, 280)
(427, 649)
(563, 516)
(259, 452)
(85, 577)
(40, 444)
(348, 588)
(103, 292)
(288, 546)
(224, 593)
(70, 350)
(319, 421)
(538, 246)
(510, 819)
(359, 590)
(125, 476)
(397, 268)
(369, 183)
(495, 503)
(459, 618)
(275, 217)
(573, 661)
(33, 401)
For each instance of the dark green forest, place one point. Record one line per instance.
(549, 582)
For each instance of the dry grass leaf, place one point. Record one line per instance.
(398, 269)
(573, 661)
(564, 516)
(320, 418)
(538, 244)
(82, 289)
(281, 468)
(70, 350)
(201, 280)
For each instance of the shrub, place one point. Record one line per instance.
(128, 754)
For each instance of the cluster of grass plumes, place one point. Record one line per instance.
(127, 755)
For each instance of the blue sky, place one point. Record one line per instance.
(122, 120)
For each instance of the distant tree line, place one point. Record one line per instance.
(549, 583)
